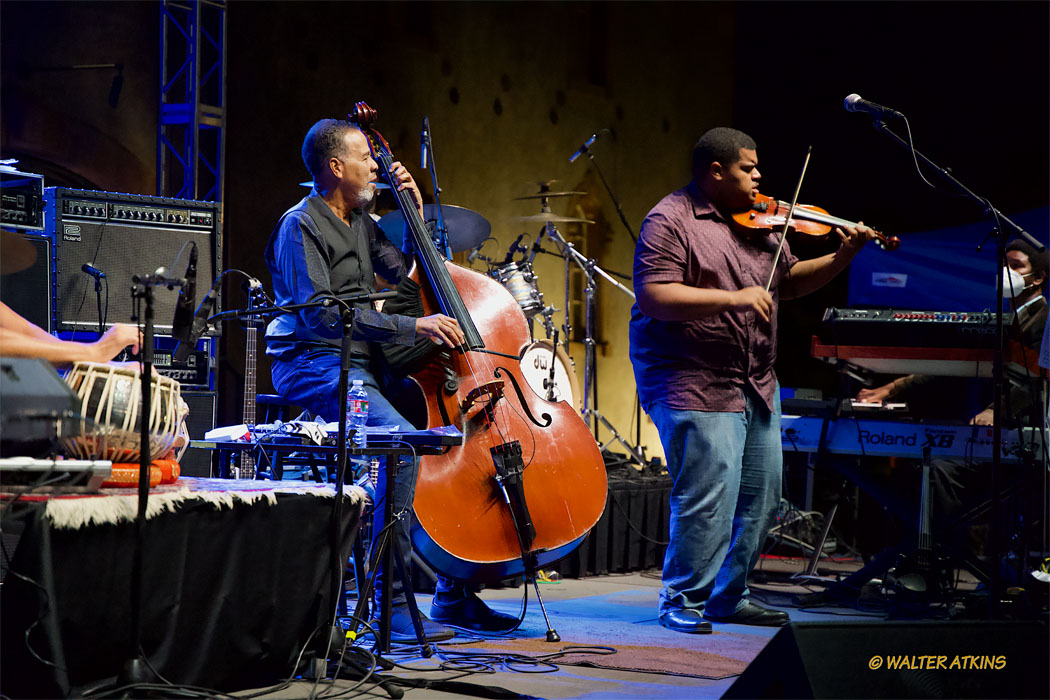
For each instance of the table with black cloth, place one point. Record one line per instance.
(236, 578)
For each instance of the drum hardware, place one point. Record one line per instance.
(590, 269)
(466, 228)
(549, 217)
(544, 195)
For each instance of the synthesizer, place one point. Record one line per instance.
(888, 438)
(940, 343)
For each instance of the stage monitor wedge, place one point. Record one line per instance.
(125, 235)
(914, 659)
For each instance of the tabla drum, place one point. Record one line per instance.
(520, 281)
(536, 366)
(110, 402)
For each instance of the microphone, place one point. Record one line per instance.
(513, 248)
(200, 323)
(475, 252)
(856, 103)
(424, 140)
(585, 147)
(93, 271)
(183, 318)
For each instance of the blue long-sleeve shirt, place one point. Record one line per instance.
(313, 254)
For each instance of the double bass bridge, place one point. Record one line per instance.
(493, 391)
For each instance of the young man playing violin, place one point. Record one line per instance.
(703, 343)
(325, 246)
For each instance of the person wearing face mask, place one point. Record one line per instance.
(1024, 280)
(957, 486)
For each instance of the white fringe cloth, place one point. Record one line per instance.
(122, 506)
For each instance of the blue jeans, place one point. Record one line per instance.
(726, 468)
(311, 380)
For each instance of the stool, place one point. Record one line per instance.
(273, 407)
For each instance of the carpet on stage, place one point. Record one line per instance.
(712, 656)
(627, 622)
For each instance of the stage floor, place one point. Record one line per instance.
(619, 611)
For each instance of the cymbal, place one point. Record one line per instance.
(16, 253)
(541, 195)
(379, 185)
(466, 228)
(553, 218)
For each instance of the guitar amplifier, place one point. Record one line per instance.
(124, 235)
(31, 292)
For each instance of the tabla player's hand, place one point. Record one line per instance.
(118, 337)
(440, 329)
(985, 417)
(755, 298)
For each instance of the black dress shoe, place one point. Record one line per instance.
(754, 614)
(402, 631)
(470, 612)
(688, 621)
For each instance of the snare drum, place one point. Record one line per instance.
(536, 366)
(520, 281)
(111, 396)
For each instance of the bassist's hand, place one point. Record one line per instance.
(440, 329)
(405, 182)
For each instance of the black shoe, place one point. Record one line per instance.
(688, 621)
(470, 612)
(402, 631)
(754, 614)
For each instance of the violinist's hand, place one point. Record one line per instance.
(440, 329)
(755, 298)
(405, 182)
(985, 417)
(854, 238)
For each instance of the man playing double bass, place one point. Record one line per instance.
(324, 246)
(703, 343)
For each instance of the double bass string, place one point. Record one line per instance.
(432, 262)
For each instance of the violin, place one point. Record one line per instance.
(768, 213)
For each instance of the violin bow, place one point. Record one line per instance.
(787, 221)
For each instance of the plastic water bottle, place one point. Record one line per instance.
(357, 413)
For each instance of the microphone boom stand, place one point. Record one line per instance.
(630, 231)
(996, 581)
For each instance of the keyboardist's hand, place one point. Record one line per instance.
(877, 395)
(982, 418)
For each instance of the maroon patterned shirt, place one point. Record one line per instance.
(704, 364)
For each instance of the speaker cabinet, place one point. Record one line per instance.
(125, 235)
(31, 292)
(197, 461)
(920, 659)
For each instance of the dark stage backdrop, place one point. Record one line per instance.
(513, 88)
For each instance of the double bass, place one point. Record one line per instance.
(529, 481)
